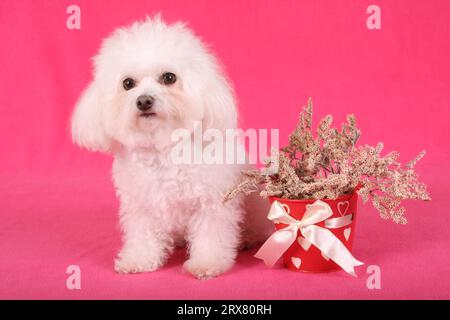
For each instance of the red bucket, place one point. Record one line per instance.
(304, 256)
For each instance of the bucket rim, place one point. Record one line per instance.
(342, 197)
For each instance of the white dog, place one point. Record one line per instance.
(151, 79)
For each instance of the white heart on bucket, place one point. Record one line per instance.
(343, 207)
(305, 244)
(347, 233)
(286, 207)
(296, 261)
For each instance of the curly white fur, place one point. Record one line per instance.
(163, 204)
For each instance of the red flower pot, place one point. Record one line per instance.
(304, 256)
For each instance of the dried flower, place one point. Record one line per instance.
(331, 164)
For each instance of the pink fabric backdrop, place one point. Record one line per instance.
(57, 204)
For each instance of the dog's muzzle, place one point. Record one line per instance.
(145, 102)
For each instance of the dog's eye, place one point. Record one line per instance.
(129, 83)
(168, 78)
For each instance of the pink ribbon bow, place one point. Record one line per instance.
(322, 238)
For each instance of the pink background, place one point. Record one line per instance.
(57, 204)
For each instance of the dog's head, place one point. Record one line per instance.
(150, 79)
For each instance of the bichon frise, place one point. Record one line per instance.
(151, 79)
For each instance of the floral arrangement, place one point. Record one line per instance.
(331, 164)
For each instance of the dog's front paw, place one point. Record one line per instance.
(136, 265)
(206, 270)
(130, 266)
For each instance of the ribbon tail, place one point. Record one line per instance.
(339, 222)
(276, 245)
(327, 242)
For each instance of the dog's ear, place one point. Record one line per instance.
(220, 105)
(87, 128)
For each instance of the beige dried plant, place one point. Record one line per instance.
(329, 164)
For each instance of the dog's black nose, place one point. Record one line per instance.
(144, 102)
